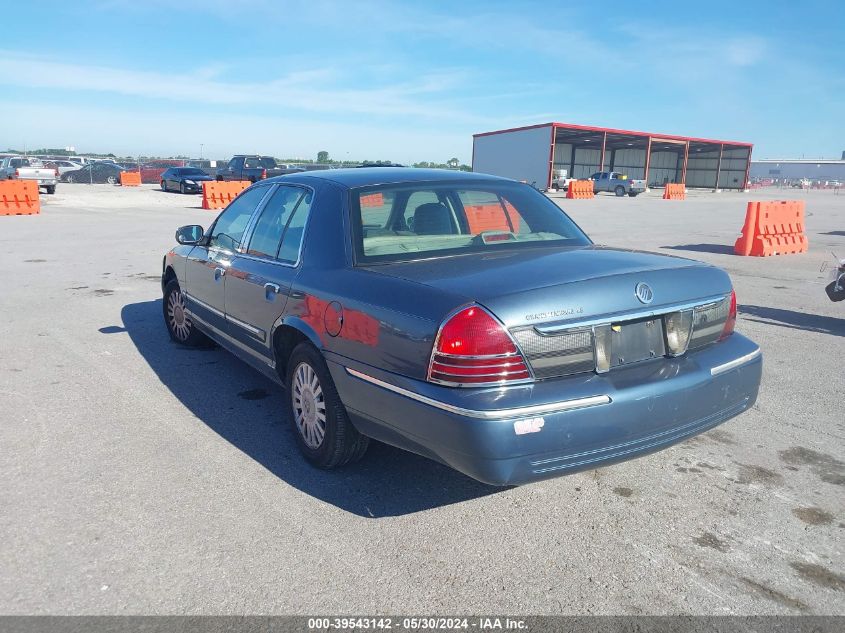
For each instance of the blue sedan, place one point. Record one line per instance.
(460, 316)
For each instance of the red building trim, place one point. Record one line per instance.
(607, 130)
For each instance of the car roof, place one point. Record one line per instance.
(365, 176)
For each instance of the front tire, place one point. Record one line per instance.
(182, 189)
(163, 185)
(112, 180)
(620, 191)
(176, 318)
(324, 433)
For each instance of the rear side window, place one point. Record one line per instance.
(267, 236)
(292, 240)
(402, 222)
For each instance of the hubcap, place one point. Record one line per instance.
(176, 315)
(309, 405)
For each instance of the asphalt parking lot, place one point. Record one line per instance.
(139, 477)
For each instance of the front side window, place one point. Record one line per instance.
(267, 235)
(229, 228)
(406, 221)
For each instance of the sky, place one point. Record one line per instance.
(412, 81)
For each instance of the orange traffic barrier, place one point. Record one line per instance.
(773, 228)
(580, 190)
(218, 194)
(674, 191)
(491, 217)
(19, 197)
(372, 199)
(130, 178)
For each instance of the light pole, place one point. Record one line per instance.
(201, 146)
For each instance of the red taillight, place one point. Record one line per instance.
(730, 323)
(56, 171)
(473, 348)
(17, 173)
(264, 173)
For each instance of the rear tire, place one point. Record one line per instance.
(70, 178)
(178, 322)
(51, 189)
(112, 180)
(633, 194)
(324, 433)
(620, 191)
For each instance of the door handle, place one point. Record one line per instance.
(272, 287)
(218, 273)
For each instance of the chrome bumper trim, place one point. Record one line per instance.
(496, 414)
(720, 369)
(550, 329)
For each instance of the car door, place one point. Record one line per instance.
(260, 276)
(208, 263)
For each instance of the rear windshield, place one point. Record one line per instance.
(403, 222)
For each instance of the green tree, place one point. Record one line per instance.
(322, 156)
(453, 163)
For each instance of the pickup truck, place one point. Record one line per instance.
(23, 168)
(253, 168)
(618, 183)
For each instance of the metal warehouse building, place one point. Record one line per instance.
(532, 153)
(798, 169)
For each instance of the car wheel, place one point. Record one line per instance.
(182, 188)
(163, 185)
(633, 194)
(620, 191)
(176, 318)
(69, 179)
(324, 433)
(51, 189)
(111, 180)
(555, 186)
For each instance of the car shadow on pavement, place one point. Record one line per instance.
(839, 233)
(794, 320)
(245, 408)
(720, 249)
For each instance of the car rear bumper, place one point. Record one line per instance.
(555, 427)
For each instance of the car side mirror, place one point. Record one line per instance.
(190, 234)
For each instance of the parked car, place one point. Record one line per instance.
(62, 166)
(618, 183)
(560, 180)
(254, 168)
(460, 316)
(24, 168)
(184, 179)
(95, 172)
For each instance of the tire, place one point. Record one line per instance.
(177, 321)
(633, 194)
(50, 190)
(163, 185)
(111, 180)
(182, 188)
(324, 433)
(70, 179)
(620, 191)
(555, 187)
